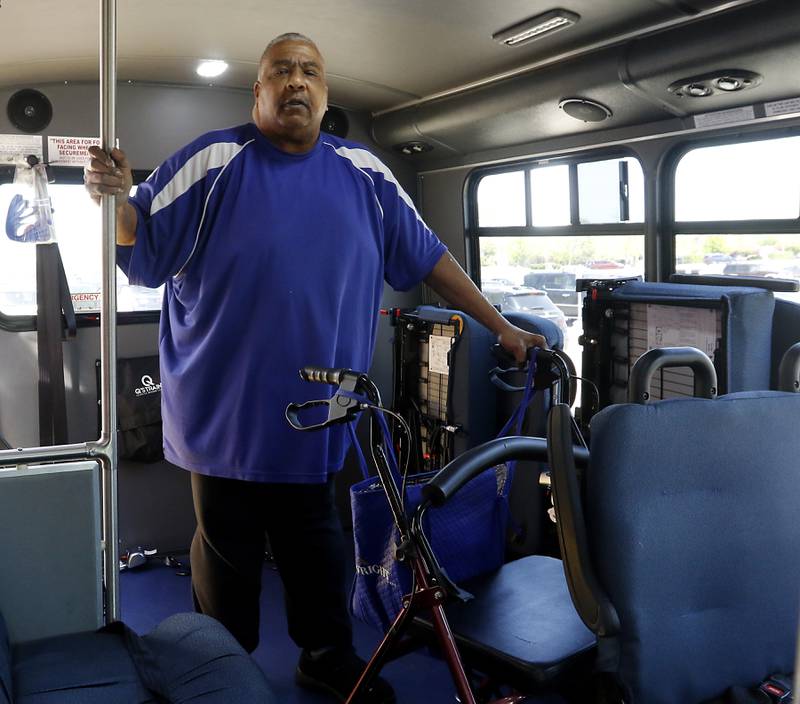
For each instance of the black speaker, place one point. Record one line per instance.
(29, 110)
(335, 122)
(584, 109)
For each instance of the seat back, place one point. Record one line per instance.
(733, 325)
(691, 512)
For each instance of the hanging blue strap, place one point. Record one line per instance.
(518, 416)
(362, 461)
(387, 442)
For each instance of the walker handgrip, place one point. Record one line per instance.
(471, 463)
(323, 375)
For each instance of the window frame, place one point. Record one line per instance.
(672, 228)
(84, 319)
(473, 232)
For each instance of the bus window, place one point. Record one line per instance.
(77, 223)
(754, 189)
(501, 200)
(552, 240)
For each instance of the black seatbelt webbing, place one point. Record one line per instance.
(52, 296)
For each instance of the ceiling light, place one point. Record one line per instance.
(698, 90)
(211, 68)
(730, 83)
(536, 27)
(412, 148)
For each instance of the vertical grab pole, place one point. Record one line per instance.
(108, 317)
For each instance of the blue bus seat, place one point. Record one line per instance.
(747, 328)
(187, 658)
(522, 627)
(682, 554)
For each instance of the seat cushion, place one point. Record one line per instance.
(193, 658)
(521, 620)
(186, 658)
(81, 668)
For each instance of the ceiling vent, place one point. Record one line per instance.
(721, 81)
(412, 148)
(536, 27)
(584, 109)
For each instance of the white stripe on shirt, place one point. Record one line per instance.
(205, 205)
(194, 170)
(361, 159)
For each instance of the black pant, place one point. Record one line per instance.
(306, 539)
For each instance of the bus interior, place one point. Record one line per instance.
(621, 176)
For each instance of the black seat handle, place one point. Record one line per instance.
(789, 370)
(705, 376)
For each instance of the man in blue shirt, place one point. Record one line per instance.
(274, 241)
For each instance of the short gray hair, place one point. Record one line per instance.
(287, 37)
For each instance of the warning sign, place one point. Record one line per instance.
(15, 147)
(70, 151)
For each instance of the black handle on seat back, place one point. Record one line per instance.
(789, 369)
(590, 600)
(471, 463)
(705, 376)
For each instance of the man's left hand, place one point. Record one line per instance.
(516, 342)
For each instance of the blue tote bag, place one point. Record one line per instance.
(467, 535)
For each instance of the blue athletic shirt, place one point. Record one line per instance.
(272, 261)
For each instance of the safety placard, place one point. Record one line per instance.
(438, 349)
(70, 151)
(15, 147)
(681, 326)
(782, 107)
(723, 117)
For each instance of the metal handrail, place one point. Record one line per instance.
(104, 450)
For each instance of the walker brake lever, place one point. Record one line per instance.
(342, 406)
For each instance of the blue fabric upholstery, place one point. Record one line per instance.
(542, 326)
(80, 668)
(748, 334)
(193, 658)
(6, 689)
(523, 615)
(187, 658)
(691, 511)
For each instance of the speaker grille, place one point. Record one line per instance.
(29, 110)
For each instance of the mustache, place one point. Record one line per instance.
(295, 100)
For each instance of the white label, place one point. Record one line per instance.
(438, 348)
(722, 117)
(15, 147)
(85, 301)
(781, 107)
(681, 326)
(70, 151)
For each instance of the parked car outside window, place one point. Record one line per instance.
(524, 299)
(560, 288)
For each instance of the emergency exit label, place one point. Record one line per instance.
(70, 151)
